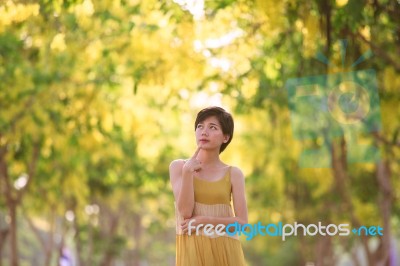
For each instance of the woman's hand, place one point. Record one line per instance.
(193, 165)
(196, 220)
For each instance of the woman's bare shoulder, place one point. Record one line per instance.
(175, 173)
(176, 164)
(236, 173)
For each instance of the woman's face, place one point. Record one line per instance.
(209, 134)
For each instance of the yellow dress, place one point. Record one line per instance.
(212, 198)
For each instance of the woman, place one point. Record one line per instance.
(203, 187)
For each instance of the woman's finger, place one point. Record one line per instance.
(184, 229)
(196, 152)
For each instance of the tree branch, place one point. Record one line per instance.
(31, 169)
(36, 232)
(20, 114)
(4, 177)
(385, 141)
(377, 50)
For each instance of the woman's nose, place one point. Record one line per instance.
(204, 132)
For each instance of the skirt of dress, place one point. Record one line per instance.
(200, 250)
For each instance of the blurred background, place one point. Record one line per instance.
(98, 97)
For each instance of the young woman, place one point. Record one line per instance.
(205, 188)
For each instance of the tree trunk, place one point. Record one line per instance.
(137, 221)
(14, 197)
(12, 212)
(324, 252)
(78, 240)
(11, 203)
(383, 175)
(135, 229)
(47, 247)
(339, 168)
(12, 207)
(109, 256)
(3, 236)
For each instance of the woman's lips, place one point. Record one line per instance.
(204, 140)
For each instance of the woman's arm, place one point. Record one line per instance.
(239, 195)
(182, 186)
(181, 177)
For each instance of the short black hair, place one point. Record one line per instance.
(223, 117)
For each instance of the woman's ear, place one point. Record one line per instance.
(226, 138)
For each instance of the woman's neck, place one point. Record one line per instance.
(209, 158)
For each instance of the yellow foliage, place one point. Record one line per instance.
(366, 212)
(47, 146)
(249, 87)
(341, 3)
(270, 69)
(74, 186)
(58, 43)
(311, 35)
(97, 136)
(85, 22)
(366, 32)
(107, 122)
(390, 115)
(323, 177)
(15, 13)
(271, 15)
(85, 9)
(390, 80)
(93, 50)
(17, 168)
